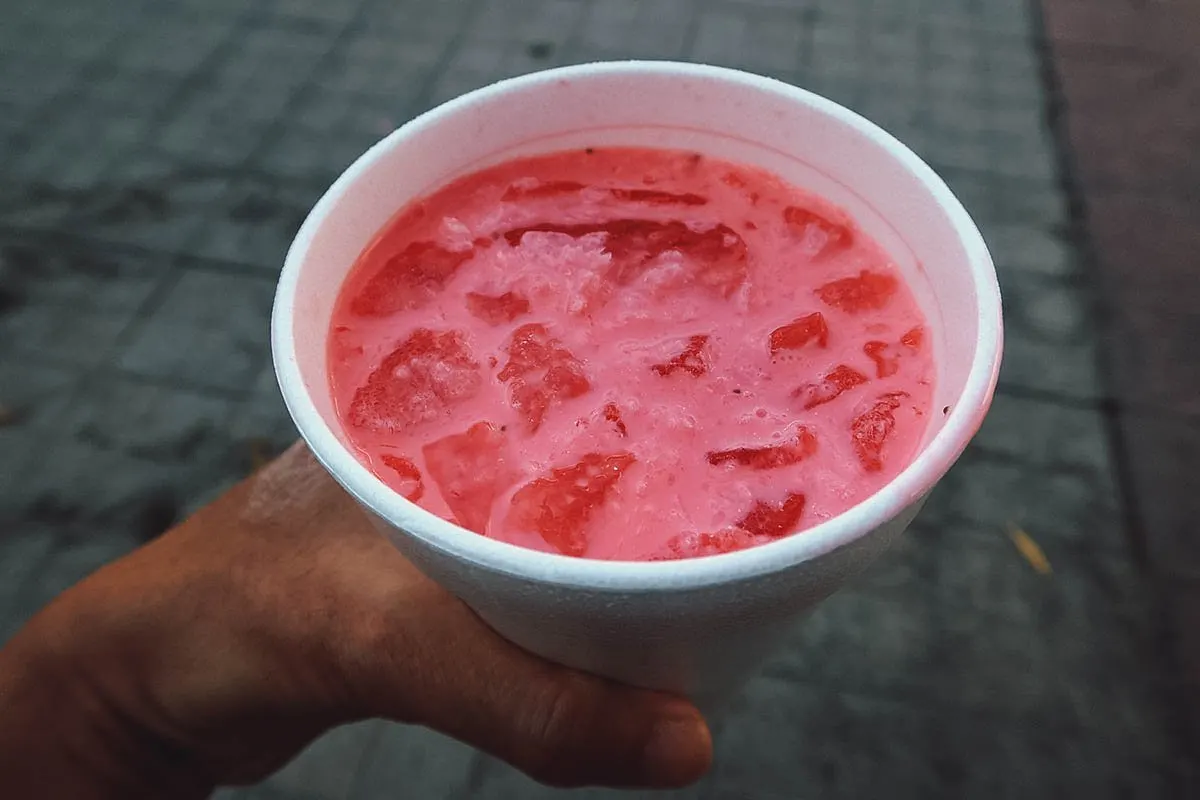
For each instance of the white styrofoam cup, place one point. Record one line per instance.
(699, 626)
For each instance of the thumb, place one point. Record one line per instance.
(568, 729)
(561, 727)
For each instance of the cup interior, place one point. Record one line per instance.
(804, 139)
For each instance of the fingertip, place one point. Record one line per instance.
(679, 749)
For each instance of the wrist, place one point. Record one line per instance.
(63, 733)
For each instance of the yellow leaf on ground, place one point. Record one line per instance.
(1028, 548)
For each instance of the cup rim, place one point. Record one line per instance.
(909, 486)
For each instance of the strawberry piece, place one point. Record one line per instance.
(559, 506)
(772, 457)
(498, 309)
(841, 379)
(765, 519)
(914, 338)
(829, 236)
(695, 545)
(657, 198)
(543, 189)
(691, 360)
(613, 414)
(718, 254)
(416, 382)
(408, 478)
(871, 430)
(797, 334)
(541, 373)
(885, 365)
(471, 469)
(867, 291)
(408, 280)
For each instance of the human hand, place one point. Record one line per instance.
(216, 653)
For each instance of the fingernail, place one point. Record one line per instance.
(679, 750)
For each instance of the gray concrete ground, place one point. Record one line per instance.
(155, 159)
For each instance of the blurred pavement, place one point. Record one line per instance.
(156, 158)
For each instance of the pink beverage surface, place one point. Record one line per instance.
(629, 354)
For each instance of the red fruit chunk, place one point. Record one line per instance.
(718, 254)
(691, 360)
(833, 236)
(408, 478)
(913, 338)
(733, 180)
(871, 430)
(783, 455)
(613, 415)
(657, 198)
(471, 469)
(762, 521)
(707, 544)
(885, 366)
(796, 335)
(408, 279)
(428, 372)
(840, 380)
(765, 519)
(868, 291)
(496, 310)
(559, 506)
(541, 372)
(544, 189)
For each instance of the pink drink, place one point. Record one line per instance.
(629, 354)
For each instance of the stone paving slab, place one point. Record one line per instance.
(155, 160)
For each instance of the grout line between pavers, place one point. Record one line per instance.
(365, 756)
(1076, 202)
(280, 122)
(425, 94)
(477, 769)
(177, 385)
(1000, 457)
(1133, 525)
(92, 244)
(687, 44)
(573, 42)
(25, 590)
(810, 16)
(1006, 388)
